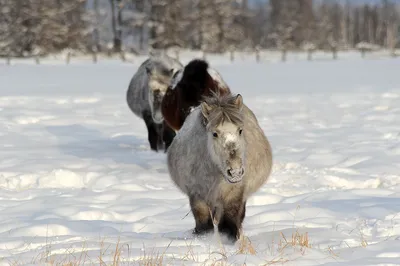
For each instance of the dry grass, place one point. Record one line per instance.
(332, 252)
(152, 259)
(364, 243)
(116, 254)
(245, 246)
(297, 240)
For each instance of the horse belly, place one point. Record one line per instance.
(258, 175)
(182, 173)
(137, 94)
(176, 165)
(192, 185)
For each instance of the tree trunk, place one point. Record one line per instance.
(284, 53)
(116, 40)
(119, 25)
(392, 38)
(220, 36)
(334, 53)
(257, 54)
(309, 55)
(96, 34)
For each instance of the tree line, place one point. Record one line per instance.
(32, 27)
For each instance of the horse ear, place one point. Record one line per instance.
(205, 109)
(239, 101)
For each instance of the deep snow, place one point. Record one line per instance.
(77, 175)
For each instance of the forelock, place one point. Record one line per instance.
(159, 78)
(157, 84)
(160, 68)
(223, 110)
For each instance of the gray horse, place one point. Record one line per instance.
(144, 96)
(219, 158)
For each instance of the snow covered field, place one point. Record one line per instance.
(79, 184)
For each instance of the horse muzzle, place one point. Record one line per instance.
(158, 118)
(234, 175)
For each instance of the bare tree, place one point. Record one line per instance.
(36, 27)
(29, 27)
(218, 25)
(140, 20)
(260, 26)
(392, 22)
(96, 32)
(116, 24)
(286, 24)
(170, 25)
(329, 20)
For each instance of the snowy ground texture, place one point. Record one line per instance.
(79, 184)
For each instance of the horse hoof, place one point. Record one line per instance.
(201, 232)
(166, 149)
(230, 239)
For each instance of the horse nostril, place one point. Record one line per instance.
(229, 172)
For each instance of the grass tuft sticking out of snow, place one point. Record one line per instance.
(118, 253)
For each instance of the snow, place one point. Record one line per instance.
(78, 181)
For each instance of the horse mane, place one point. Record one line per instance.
(194, 81)
(196, 72)
(187, 88)
(223, 109)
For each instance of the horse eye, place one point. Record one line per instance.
(240, 131)
(215, 135)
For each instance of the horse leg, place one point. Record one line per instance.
(232, 218)
(202, 216)
(160, 142)
(151, 130)
(243, 212)
(168, 135)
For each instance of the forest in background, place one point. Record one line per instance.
(40, 27)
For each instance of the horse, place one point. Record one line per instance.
(219, 158)
(188, 86)
(144, 96)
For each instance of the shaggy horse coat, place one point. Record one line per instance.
(189, 85)
(219, 158)
(144, 96)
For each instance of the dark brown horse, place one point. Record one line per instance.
(188, 87)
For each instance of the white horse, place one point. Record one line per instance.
(144, 96)
(219, 158)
